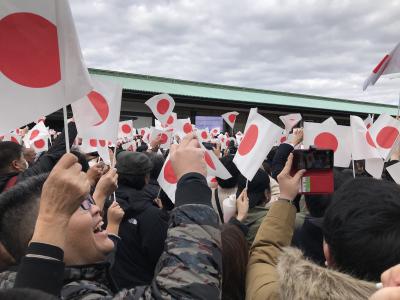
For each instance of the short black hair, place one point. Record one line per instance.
(227, 161)
(158, 162)
(19, 207)
(362, 227)
(9, 151)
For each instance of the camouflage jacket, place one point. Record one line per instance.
(189, 268)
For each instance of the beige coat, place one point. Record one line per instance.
(276, 272)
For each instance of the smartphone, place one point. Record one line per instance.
(313, 159)
(209, 146)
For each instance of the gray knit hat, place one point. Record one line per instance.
(133, 163)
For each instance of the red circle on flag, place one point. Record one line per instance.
(102, 143)
(209, 160)
(232, 118)
(39, 143)
(326, 140)
(93, 143)
(170, 120)
(126, 128)
(368, 125)
(214, 180)
(13, 139)
(204, 135)
(227, 143)
(162, 106)
(142, 132)
(370, 141)
(100, 104)
(34, 134)
(187, 128)
(29, 53)
(386, 137)
(169, 173)
(163, 138)
(249, 140)
(283, 139)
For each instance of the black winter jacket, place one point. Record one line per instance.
(143, 231)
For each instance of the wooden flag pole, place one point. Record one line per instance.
(67, 148)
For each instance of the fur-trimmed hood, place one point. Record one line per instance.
(300, 278)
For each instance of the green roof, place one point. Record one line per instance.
(153, 84)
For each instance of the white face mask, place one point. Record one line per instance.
(26, 164)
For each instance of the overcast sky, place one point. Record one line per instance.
(321, 47)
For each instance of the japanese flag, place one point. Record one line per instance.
(131, 146)
(143, 131)
(204, 135)
(363, 146)
(165, 139)
(97, 114)
(12, 137)
(37, 138)
(99, 146)
(384, 132)
(290, 121)
(230, 118)
(162, 106)
(214, 166)
(126, 130)
(168, 180)
(183, 127)
(369, 121)
(389, 64)
(41, 67)
(259, 137)
(330, 136)
(171, 120)
(215, 131)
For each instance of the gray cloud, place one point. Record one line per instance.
(319, 47)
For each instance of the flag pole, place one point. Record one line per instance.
(398, 108)
(67, 148)
(354, 171)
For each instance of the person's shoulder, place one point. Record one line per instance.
(85, 290)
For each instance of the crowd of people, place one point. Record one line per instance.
(72, 227)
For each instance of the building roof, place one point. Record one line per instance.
(153, 84)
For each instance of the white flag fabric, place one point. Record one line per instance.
(11, 137)
(161, 106)
(363, 147)
(214, 166)
(394, 171)
(37, 138)
(389, 64)
(215, 131)
(230, 118)
(168, 180)
(369, 121)
(384, 132)
(330, 121)
(259, 137)
(329, 136)
(103, 103)
(41, 67)
(126, 130)
(183, 127)
(290, 121)
(131, 146)
(203, 135)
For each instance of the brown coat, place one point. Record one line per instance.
(275, 272)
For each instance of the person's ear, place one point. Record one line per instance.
(328, 256)
(6, 259)
(15, 165)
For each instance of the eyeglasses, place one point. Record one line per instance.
(87, 203)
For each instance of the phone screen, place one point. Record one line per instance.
(312, 159)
